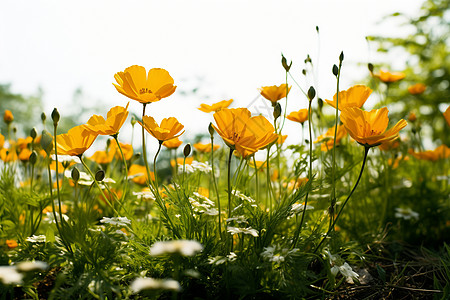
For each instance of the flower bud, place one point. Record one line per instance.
(43, 117)
(284, 63)
(304, 72)
(317, 29)
(14, 129)
(370, 66)
(308, 59)
(55, 117)
(341, 57)
(277, 111)
(187, 150)
(133, 120)
(46, 141)
(75, 174)
(33, 158)
(335, 70)
(33, 133)
(320, 104)
(311, 93)
(100, 175)
(211, 129)
(8, 116)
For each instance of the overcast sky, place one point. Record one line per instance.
(227, 48)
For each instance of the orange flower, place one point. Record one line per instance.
(355, 96)
(8, 116)
(115, 118)
(23, 143)
(417, 89)
(412, 117)
(101, 157)
(2, 140)
(298, 116)
(242, 132)
(389, 145)
(138, 174)
(259, 164)
(127, 150)
(8, 155)
(281, 139)
(180, 161)
(447, 115)
(137, 85)
(167, 131)
(369, 127)
(11, 244)
(76, 141)
(173, 143)
(24, 154)
(205, 148)
(216, 106)
(327, 139)
(440, 152)
(274, 93)
(388, 77)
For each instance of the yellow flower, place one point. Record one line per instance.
(390, 145)
(447, 115)
(355, 96)
(173, 143)
(281, 139)
(24, 154)
(115, 118)
(259, 164)
(167, 130)
(388, 77)
(369, 127)
(327, 139)
(8, 155)
(242, 132)
(298, 116)
(8, 116)
(180, 161)
(412, 117)
(2, 140)
(135, 84)
(138, 174)
(101, 157)
(440, 152)
(127, 150)
(417, 89)
(274, 93)
(76, 141)
(216, 106)
(205, 148)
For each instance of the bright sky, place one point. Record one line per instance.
(226, 48)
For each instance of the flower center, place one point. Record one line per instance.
(145, 91)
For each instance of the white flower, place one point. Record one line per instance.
(116, 221)
(27, 266)
(145, 195)
(346, 271)
(218, 260)
(406, 213)
(195, 166)
(66, 158)
(9, 275)
(36, 239)
(299, 207)
(248, 230)
(51, 218)
(183, 247)
(204, 206)
(277, 254)
(144, 283)
(238, 219)
(242, 196)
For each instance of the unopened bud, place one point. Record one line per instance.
(317, 29)
(43, 117)
(8, 117)
(370, 66)
(14, 129)
(335, 70)
(75, 174)
(33, 133)
(187, 150)
(211, 129)
(341, 56)
(304, 72)
(100, 175)
(33, 158)
(133, 120)
(277, 111)
(311, 93)
(308, 59)
(285, 64)
(320, 103)
(55, 116)
(46, 141)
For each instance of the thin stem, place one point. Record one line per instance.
(333, 166)
(366, 151)
(229, 182)
(144, 149)
(154, 164)
(257, 181)
(215, 186)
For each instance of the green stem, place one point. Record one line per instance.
(229, 182)
(257, 181)
(333, 166)
(366, 151)
(215, 187)
(154, 164)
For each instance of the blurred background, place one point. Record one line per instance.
(65, 54)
